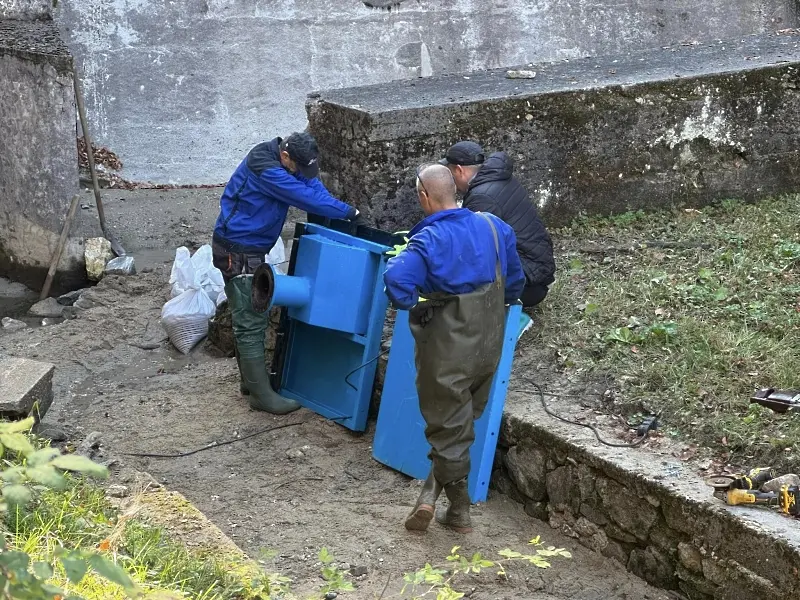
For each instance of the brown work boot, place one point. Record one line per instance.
(457, 515)
(421, 516)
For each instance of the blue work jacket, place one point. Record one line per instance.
(453, 252)
(256, 200)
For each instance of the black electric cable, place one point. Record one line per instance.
(361, 366)
(538, 388)
(214, 444)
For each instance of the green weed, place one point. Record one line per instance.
(691, 326)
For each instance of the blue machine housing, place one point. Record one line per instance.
(332, 321)
(400, 431)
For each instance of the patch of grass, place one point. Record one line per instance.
(81, 517)
(693, 324)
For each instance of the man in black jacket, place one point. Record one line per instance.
(488, 185)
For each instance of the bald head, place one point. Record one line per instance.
(436, 189)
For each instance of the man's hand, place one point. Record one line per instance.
(359, 220)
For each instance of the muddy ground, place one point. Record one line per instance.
(293, 490)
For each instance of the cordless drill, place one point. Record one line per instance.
(788, 499)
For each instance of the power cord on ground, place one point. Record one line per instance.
(214, 444)
(651, 423)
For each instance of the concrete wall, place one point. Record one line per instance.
(26, 9)
(181, 90)
(683, 125)
(38, 154)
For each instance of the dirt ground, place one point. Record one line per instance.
(293, 490)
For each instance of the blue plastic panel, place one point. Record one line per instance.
(338, 334)
(342, 279)
(400, 432)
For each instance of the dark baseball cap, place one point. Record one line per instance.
(464, 153)
(302, 149)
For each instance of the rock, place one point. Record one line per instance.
(10, 324)
(70, 298)
(27, 387)
(358, 571)
(615, 550)
(294, 453)
(626, 509)
(776, 484)
(83, 303)
(652, 566)
(49, 307)
(117, 491)
(89, 444)
(12, 289)
(690, 557)
(537, 510)
(70, 312)
(562, 489)
(97, 253)
(54, 433)
(49, 321)
(526, 467)
(123, 265)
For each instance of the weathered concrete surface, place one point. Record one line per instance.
(651, 512)
(38, 156)
(182, 90)
(680, 125)
(27, 387)
(26, 9)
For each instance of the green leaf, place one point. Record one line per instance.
(42, 570)
(16, 442)
(75, 568)
(75, 462)
(43, 456)
(13, 560)
(590, 308)
(17, 426)
(47, 475)
(705, 273)
(113, 572)
(721, 294)
(325, 557)
(13, 475)
(16, 495)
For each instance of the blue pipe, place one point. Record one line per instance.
(293, 292)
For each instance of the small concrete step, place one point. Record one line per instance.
(26, 388)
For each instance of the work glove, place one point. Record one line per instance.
(359, 219)
(422, 313)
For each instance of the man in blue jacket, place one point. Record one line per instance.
(273, 176)
(455, 277)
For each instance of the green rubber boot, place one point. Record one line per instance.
(242, 387)
(421, 516)
(249, 329)
(457, 516)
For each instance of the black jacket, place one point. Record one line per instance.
(494, 189)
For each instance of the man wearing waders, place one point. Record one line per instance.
(273, 176)
(455, 277)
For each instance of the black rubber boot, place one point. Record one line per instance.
(421, 516)
(249, 329)
(457, 515)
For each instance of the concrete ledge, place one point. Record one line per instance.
(23, 384)
(683, 125)
(37, 41)
(649, 511)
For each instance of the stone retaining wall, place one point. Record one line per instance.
(38, 156)
(672, 540)
(676, 126)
